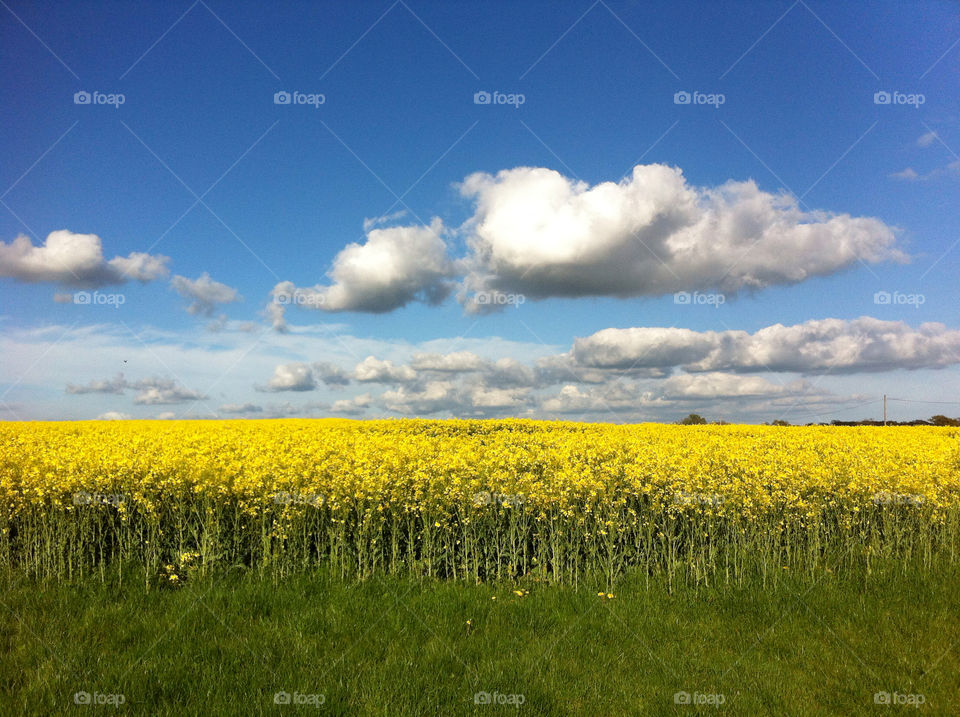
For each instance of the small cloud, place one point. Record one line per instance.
(112, 385)
(908, 174)
(953, 168)
(373, 370)
(353, 406)
(240, 408)
(925, 140)
(276, 313)
(205, 293)
(114, 416)
(295, 376)
(166, 393)
(370, 223)
(151, 390)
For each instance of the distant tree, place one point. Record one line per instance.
(780, 422)
(939, 420)
(693, 419)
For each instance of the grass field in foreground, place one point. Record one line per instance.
(400, 646)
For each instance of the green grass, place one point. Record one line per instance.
(400, 646)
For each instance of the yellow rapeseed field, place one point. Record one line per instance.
(469, 499)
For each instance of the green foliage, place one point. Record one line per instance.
(227, 643)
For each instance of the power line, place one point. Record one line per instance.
(911, 400)
(856, 405)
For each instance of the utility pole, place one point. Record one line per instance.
(884, 409)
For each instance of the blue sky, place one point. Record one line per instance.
(786, 194)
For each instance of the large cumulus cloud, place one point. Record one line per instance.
(75, 260)
(535, 233)
(541, 234)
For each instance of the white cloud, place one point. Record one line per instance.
(157, 391)
(926, 139)
(330, 375)
(503, 373)
(725, 385)
(352, 406)
(569, 399)
(151, 391)
(300, 376)
(395, 266)
(276, 313)
(909, 174)
(75, 260)
(115, 385)
(454, 362)
(240, 408)
(373, 370)
(139, 266)
(371, 222)
(114, 416)
(220, 323)
(57, 355)
(296, 376)
(562, 368)
(540, 234)
(436, 396)
(618, 397)
(204, 293)
(642, 347)
(817, 346)
(507, 372)
(501, 398)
